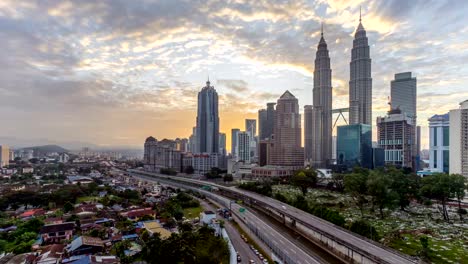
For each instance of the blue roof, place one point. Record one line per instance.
(132, 236)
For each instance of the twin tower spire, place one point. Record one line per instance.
(318, 117)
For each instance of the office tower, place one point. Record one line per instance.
(439, 137)
(403, 93)
(360, 83)
(193, 141)
(354, 146)
(251, 126)
(4, 156)
(222, 144)
(262, 123)
(308, 132)
(207, 120)
(287, 133)
(266, 121)
(321, 130)
(395, 136)
(243, 146)
(265, 151)
(234, 133)
(458, 140)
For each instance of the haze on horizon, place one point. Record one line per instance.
(114, 72)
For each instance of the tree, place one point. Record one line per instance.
(406, 186)
(378, 187)
(356, 185)
(67, 207)
(228, 178)
(189, 170)
(458, 186)
(304, 179)
(438, 186)
(424, 240)
(364, 228)
(338, 181)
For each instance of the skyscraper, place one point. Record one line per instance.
(234, 133)
(321, 130)
(4, 156)
(287, 139)
(207, 120)
(403, 93)
(262, 123)
(354, 146)
(459, 140)
(222, 143)
(243, 146)
(308, 132)
(360, 83)
(403, 96)
(251, 126)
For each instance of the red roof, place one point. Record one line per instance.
(32, 212)
(140, 212)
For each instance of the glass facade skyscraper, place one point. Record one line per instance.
(354, 145)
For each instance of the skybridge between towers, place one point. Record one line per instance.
(340, 112)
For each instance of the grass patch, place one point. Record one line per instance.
(193, 212)
(88, 199)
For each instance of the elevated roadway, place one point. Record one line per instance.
(344, 244)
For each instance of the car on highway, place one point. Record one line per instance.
(239, 260)
(252, 261)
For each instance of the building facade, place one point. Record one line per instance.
(439, 139)
(262, 123)
(354, 146)
(308, 132)
(4, 156)
(266, 119)
(321, 129)
(395, 136)
(234, 133)
(403, 93)
(360, 84)
(243, 146)
(287, 133)
(222, 144)
(207, 120)
(161, 155)
(458, 140)
(265, 151)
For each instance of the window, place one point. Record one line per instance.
(61, 233)
(435, 159)
(446, 136)
(446, 159)
(435, 136)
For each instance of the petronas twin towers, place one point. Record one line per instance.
(318, 117)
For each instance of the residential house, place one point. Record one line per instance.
(55, 233)
(154, 227)
(85, 245)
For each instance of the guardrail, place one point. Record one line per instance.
(338, 240)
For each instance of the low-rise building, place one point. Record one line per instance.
(154, 227)
(270, 171)
(55, 233)
(85, 245)
(206, 217)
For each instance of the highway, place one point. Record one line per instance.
(281, 246)
(362, 246)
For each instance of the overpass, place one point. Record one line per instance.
(342, 243)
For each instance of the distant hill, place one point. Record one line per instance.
(46, 149)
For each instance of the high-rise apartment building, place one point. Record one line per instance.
(192, 145)
(234, 133)
(439, 139)
(4, 156)
(243, 146)
(207, 120)
(321, 130)
(395, 136)
(459, 140)
(360, 83)
(161, 155)
(354, 146)
(287, 133)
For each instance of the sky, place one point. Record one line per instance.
(113, 72)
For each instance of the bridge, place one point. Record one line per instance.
(342, 243)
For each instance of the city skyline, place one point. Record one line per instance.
(118, 73)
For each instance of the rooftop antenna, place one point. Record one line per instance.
(360, 9)
(322, 29)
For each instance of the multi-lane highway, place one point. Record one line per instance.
(281, 246)
(353, 246)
